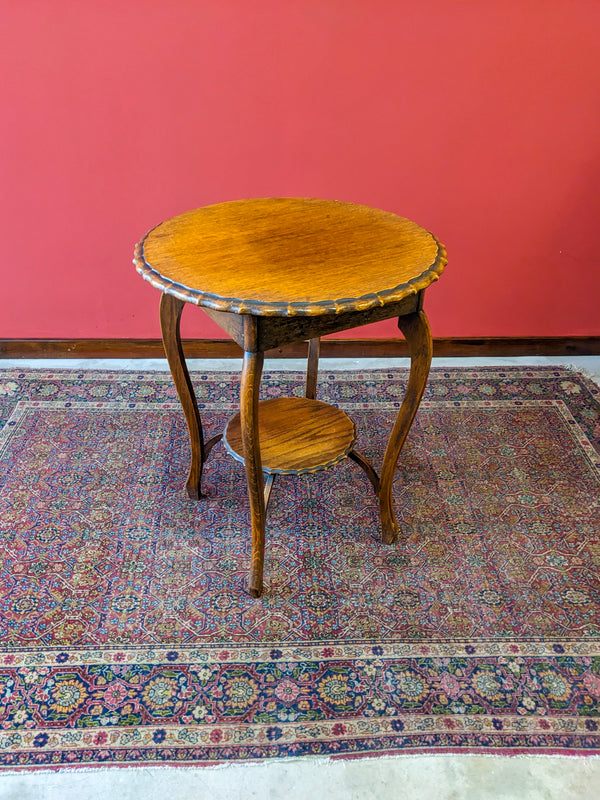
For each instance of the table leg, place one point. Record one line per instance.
(251, 372)
(170, 317)
(415, 328)
(314, 345)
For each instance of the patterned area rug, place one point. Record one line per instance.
(126, 633)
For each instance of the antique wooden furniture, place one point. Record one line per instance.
(279, 270)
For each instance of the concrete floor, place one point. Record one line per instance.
(447, 777)
(401, 778)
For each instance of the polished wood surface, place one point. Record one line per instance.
(272, 272)
(170, 319)
(312, 369)
(368, 469)
(415, 328)
(297, 435)
(289, 256)
(250, 386)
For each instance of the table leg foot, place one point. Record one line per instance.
(389, 530)
(170, 318)
(251, 372)
(415, 328)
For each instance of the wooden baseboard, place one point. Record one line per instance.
(330, 348)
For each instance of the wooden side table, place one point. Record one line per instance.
(279, 270)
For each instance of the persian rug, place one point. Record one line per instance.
(126, 635)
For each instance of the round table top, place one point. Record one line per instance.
(289, 256)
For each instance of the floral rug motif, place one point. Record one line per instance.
(126, 634)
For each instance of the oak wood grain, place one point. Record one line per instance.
(275, 271)
(415, 328)
(279, 331)
(170, 318)
(289, 257)
(250, 445)
(297, 435)
(312, 369)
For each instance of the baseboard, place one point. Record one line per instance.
(332, 348)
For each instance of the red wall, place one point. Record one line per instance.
(478, 119)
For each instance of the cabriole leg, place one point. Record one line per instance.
(170, 317)
(415, 328)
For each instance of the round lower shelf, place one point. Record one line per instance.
(296, 435)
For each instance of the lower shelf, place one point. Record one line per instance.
(296, 435)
